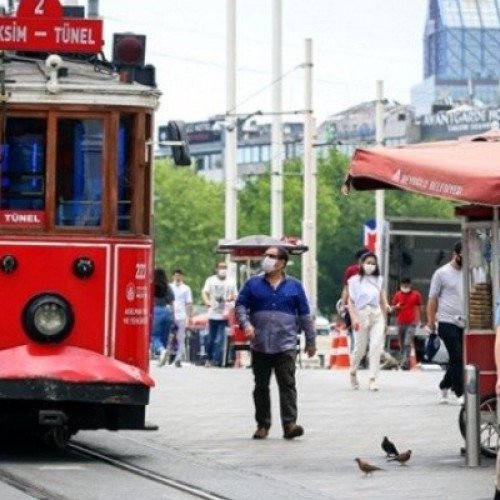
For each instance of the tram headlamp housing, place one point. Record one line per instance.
(48, 318)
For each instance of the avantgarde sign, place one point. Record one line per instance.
(39, 26)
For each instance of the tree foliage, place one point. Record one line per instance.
(189, 221)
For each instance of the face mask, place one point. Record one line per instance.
(369, 268)
(268, 265)
(221, 273)
(405, 289)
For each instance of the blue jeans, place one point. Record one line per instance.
(215, 345)
(162, 322)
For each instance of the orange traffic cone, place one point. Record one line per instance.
(343, 360)
(333, 349)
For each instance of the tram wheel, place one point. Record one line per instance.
(58, 436)
(489, 435)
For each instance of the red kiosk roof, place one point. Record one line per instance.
(467, 169)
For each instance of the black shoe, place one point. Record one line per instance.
(178, 364)
(293, 431)
(260, 433)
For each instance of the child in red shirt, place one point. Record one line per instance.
(406, 303)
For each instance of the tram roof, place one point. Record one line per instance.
(28, 81)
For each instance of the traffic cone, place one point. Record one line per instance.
(333, 349)
(343, 360)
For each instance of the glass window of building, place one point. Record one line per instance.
(247, 154)
(266, 153)
(255, 154)
(489, 14)
(240, 155)
(450, 13)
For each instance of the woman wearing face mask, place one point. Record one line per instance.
(367, 307)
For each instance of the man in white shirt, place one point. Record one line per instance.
(218, 294)
(183, 312)
(446, 305)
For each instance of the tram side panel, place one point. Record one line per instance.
(48, 267)
(132, 303)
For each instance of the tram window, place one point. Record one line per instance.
(23, 165)
(79, 172)
(125, 182)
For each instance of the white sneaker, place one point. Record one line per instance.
(162, 359)
(443, 397)
(372, 385)
(460, 400)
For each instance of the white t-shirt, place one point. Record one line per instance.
(183, 297)
(219, 292)
(365, 290)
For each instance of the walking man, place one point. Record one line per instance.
(446, 302)
(272, 308)
(183, 312)
(218, 293)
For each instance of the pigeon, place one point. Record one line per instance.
(402, 458)
(389, 448)
(366, 467)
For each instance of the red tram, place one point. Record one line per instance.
(76, 247)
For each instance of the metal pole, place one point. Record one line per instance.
(309, 264)
(230, 130)
(93, 8)
(379, 193)
(472, 416)
(277, 130)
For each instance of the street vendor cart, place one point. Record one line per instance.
(481, 285)
(465, 170)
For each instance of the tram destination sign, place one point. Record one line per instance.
(40, 26)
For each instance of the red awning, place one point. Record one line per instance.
(467, 169)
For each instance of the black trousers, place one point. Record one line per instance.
(283, 365)
(452, 336)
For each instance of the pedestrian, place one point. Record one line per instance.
(273, 309)
(367, 306)
(446, 303)
(351, 270)
(163, 314)
(218, 294)
(183, 313)
(406, 302)
(497, 362)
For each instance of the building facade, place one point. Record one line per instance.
(206, 140)
(461, 55)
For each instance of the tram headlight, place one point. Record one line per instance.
(48, 318)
